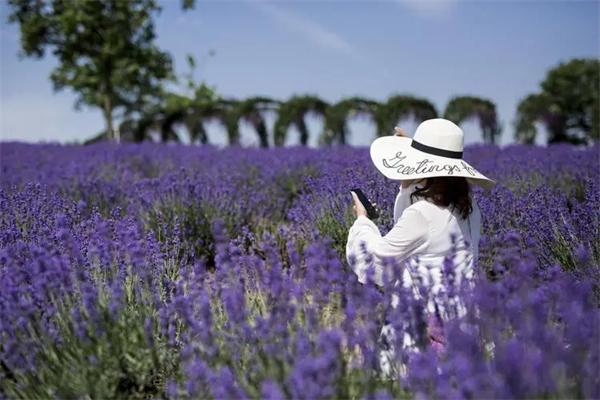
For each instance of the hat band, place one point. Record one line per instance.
(435, 151)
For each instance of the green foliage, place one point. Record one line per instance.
(400, 107)
(179, 225)
(462, 108)
(385, 115)
(532, 108)
(290, 184)
(189, 111)
(251, 111)
(113, 360)
(251, 362)
(114, 356)
(567, 104)
(105, 49)
(330, 226)
(337, 116)
(293, 113)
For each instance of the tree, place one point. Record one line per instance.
(211, 110)
(201, 105)
(293, 113)
(535, 108)
(399, 107)
(105, 49)
(139, 129)
(462, 108)
(189, 112)
(251, 110)
(170, 109)
(337, 116)
(567, 104)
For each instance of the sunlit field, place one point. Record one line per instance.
(151, 270)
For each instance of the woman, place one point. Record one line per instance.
(435, 217)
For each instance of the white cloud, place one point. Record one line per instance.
(310, 30)
(435, 9)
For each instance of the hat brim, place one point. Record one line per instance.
(394, 157)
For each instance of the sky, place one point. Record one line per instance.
(499, 50)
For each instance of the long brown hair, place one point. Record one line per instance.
(447, 191)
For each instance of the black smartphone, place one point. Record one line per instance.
(371, 210)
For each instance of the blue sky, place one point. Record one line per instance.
(499, 50)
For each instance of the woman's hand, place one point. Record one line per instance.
(358, 208)
(399, 132)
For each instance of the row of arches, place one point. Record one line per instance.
(194, 114)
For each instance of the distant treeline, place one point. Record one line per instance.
(194, 114)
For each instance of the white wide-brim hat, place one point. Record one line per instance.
(435, 150)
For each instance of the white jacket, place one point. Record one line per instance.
(421, 237)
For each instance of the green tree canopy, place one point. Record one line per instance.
(399, 107)
(251, 110)
(209, 110)
(293, 113)
(176, 110)
(567, 104)
(462, 108)
(338, 115)
(105, 49)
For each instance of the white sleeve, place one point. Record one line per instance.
(408, 234)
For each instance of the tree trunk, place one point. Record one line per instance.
(233, 133)
(303, 131)
(261, 129)
(342, 136)
(263, 135)
(108, 105)
(489, 135)
(557, 129)
(107, 111)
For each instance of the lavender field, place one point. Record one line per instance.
(172, 271)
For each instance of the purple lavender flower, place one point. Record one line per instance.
(236, 256)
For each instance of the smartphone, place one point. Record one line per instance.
(371, 211)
